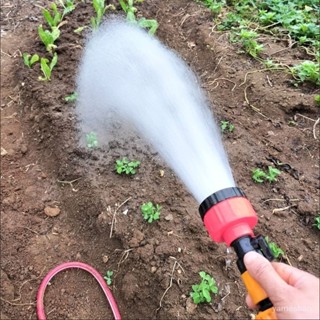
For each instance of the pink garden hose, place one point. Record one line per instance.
(71, 265)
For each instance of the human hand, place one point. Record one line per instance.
(294, 293)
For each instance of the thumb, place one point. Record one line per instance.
(262, 271)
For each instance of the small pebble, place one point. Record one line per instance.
(3, 151)
(190, 306)
(52, 212)
(24, 149)
(169, 217)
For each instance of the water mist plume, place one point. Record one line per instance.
(129, 73)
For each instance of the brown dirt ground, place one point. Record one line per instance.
(38, 133)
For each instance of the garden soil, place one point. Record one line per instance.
(59, 198)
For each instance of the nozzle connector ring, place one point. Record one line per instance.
(218, 197)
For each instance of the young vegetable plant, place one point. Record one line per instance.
(250, 45)
(53, 19)
(128, 7)
(29, 59)
(317, 222)
(276, 251)
(92, 141)
(150, 211)
(49, 37)
(214, 6)
(108, 277)
(260, 176)
(72, 97)
(317, 100)
(126, 166)
(68, 6)
(47, 68)
(226, 126)
(100, 8)
(307, 71)
(202, 291)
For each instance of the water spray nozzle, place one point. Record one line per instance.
(228, 215)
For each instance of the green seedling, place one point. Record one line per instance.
(202, 291)
(128, 7)
(307, 71)
(108, 277)
(100, 8)
(91, 139)
(49, 37)
(317, 222)
(276, 251)
(29, 59)
(68, 6)
(260, 176)
(150, 211)
(53, 19)
(126, 166)
(247, 39)
(80, 29)
(47, 68)
(226, 126)
(72, 97)
(270, 64)
(214, 6)
(317, 100)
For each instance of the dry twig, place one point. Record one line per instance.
(114, 215)
(225, 79)
(176, 263)
(314, 128)
(70, 183)
(252, 106)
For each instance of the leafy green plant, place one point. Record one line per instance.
(49, 37)
(317, 222)
(80, 29)
(92, 141)
(213, 5)
(307, 71)
(150, 211)
(226, 126)
(53, 16)
(68, 6)
(108, 277)
(53, 19)
(202, 291)
(72, 97)
(248, 39)
(29, 59)
(47, 67)
(260, 176)
(317, 99)
(126, 166)
(100, 8)
(128, 7)
(276, 251)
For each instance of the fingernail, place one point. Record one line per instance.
(250, 257)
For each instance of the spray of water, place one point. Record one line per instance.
(126, 72)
